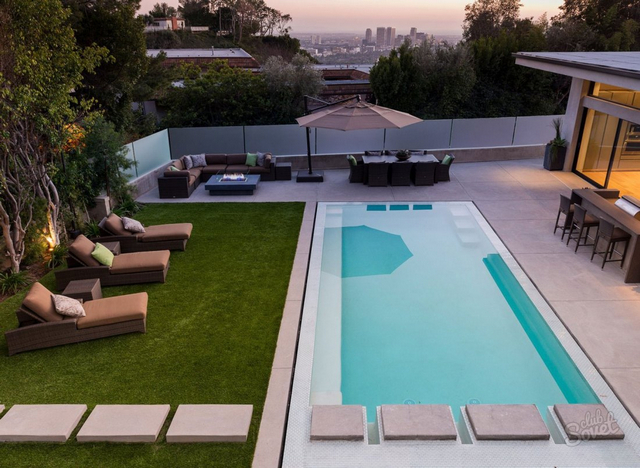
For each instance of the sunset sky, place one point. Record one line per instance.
(430, 16)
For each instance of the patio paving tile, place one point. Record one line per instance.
(124, 423)
(210, 423)
(337, 422)
(496, 191)
(530, 236)
(517, 209)
(417, 422)
(587, 422)
(480, 172)
(286, 346)
(507, 422)
(595, 323)
(40, 423)
(626, 384)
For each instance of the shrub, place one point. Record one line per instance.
(57, 256)
(11, 283)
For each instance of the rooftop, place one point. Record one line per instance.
(199, 53)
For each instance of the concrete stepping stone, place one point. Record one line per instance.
(124, 423)
(337, 422)
(507, 422)
(588, 422)
(40, 423)
(1, 408)
(210, 423)
(417, 422)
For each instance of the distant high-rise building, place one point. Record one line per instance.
(380, 37)
(368, 36)
(316, 39)
(390, 37)
(412, 34)
(420, 37)
(399, 40)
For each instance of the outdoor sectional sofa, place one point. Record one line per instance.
(40, 326)
(181, 183)
(127, 268)
(160, 237)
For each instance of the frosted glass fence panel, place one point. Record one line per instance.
(281, 140)
(357, 141)
(430, 134)
(482, 133)
(206, 140)
(131, 172)
(152, 152)
(535, 130)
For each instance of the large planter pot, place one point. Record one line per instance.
(554, 162)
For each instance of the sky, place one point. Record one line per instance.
(354, 16)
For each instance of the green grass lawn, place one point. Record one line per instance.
(211, 335)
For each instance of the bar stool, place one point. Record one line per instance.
(566, 208)
(581, 221)
(612, 235)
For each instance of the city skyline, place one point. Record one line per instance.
(334, 16)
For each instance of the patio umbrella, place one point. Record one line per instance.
(346, 116)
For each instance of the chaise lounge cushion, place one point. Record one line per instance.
(166, 232)
(81, 248)
(112, 310)
(114, 225)
(140, 262)
(40, 301)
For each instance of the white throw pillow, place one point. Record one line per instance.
(68, 306)
(198, 160)
(132, 225)
(188, 162)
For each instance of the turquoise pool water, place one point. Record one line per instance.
(417, 307)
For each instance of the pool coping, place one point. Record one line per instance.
(580, 359)
(270, 443)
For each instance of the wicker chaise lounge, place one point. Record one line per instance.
(127, 268)
(160, 237)
(40, 326)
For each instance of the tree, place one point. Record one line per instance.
(111, 24)
(196, 12)
(162, 10)
(41, 62)
(487, 18)
(288, 83)
(397, 81)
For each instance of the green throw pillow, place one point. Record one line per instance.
(252, 159)
(447, 160)
(173, 168)
(103, 255)
(352, 160)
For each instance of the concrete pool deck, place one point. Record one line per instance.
(520, 200)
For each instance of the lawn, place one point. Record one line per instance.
(211, 335)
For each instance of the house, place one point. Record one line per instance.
(602, 121)
(160, 24)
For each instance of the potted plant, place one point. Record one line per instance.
(556, 149)
(403, 155)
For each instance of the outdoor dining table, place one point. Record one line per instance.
(392, 159)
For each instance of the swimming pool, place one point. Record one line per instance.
(416, 306)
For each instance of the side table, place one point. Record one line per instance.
(283, 171)
(113, 246)
(87, 289)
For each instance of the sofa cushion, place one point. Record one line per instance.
(240, 158)
(115, 309)
(132, 225)
(258, 170)
(176, 173)
(114, 225)
(237, 168)
(267, 160)
(186, 160)
(192, 179)
(102, 254)
(198, 160)
(68, 306)
(140, 262)
(196, 171)
(214, 169)
(216, 159)
(166, 232)
(178, 163)
(40, 301)
(81, 248)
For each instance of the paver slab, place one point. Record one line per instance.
(40, 423)
(124, 423)
(210, 423)
(417, 422)
(507, 422)
(1, 408)
(588, 422)
(337, 422)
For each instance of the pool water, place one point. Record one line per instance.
(417, 307)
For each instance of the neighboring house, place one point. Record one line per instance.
(602, 121)
(235, 58)
(160, 24)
